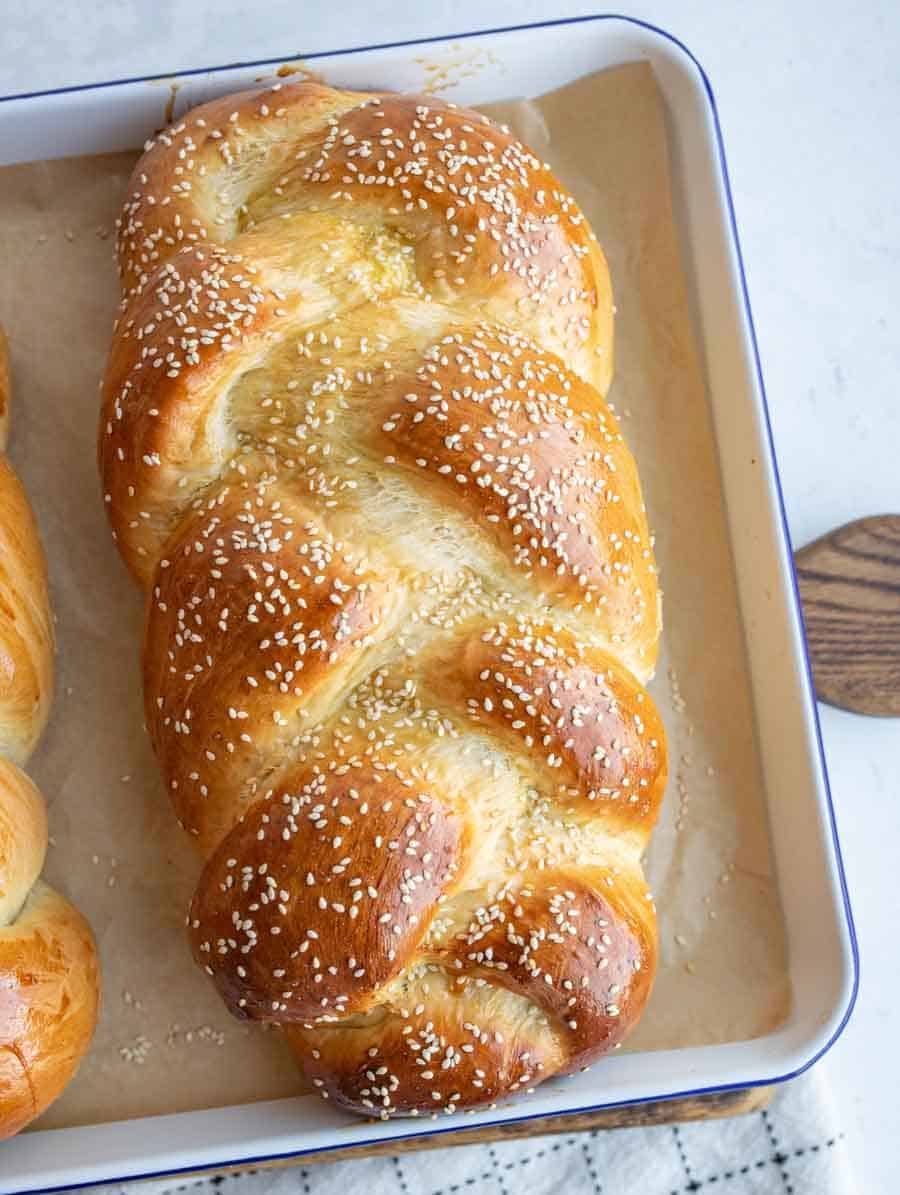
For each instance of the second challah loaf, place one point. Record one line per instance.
(401, 591)
(49, 984)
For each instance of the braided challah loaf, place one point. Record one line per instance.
(400, 588)
(49, 985)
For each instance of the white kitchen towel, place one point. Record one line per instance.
(793, 1148)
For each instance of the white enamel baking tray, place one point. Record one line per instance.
(821, 945)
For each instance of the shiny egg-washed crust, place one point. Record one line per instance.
(49, 985)
(401, 590)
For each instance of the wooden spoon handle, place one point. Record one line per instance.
(849, 584)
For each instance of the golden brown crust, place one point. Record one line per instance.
(569, 943)
(591, 734)
(49, 986)
(290, 611)
(202, 277)
(23, 839)
(26, 633)
(520, 443)
(401, 589)
(440, 1045)
(49, 997)
(300, 900)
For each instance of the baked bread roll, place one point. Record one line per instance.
(401, 591)
(49, 983)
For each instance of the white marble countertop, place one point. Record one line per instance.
(809, 98)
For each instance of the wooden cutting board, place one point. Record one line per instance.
(716, 1106)
(849, 584)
